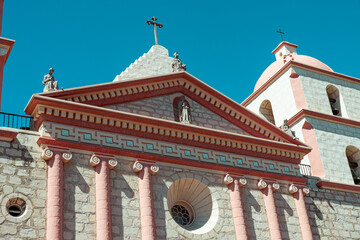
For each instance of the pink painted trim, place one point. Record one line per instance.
(5, 134)
(317, 166)
(238, 210)
(297, 90)
(103, 214)
(271, 213)
(302, 215)
(338, 186)
(54, 218)
(146, 204)
(283, 44)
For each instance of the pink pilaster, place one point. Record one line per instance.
(298, 194)
(145, 171)
(234, 184)
(273, 220)
(54, 217)
(103, 210)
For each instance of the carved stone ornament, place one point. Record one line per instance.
(138, 166)
(49, 82)
(177, 65)
(262, 184)
(112, 163)
(66, 156)
(228, 179)
(293, 189)
(154, 169)
(306, 190)
(275, 186)
(47, 154)
(242, 181)
(94, 160)
(286, 128)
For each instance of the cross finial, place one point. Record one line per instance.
(155, 24)
(281, 34)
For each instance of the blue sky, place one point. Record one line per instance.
(226, 44)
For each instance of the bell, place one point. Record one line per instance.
(334, 109)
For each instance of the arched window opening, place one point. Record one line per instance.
(178, 105)
(353, 157)
(334, 99)
(266, 111)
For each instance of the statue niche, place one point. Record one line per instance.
(182, 111)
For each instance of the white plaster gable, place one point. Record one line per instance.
(153, 63)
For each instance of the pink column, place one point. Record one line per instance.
(54, 217)
(146, 199)
(298, 194)
(103, 210)
(273, 221)
(234, 185)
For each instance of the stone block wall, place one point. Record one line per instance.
(162, 107)
(314, 87)
(333, 214)
(23, 175)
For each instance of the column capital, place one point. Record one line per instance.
(95, 160)
(48, 153)
(229, 178)
(293, 188)
(262, 184)
(138, 166)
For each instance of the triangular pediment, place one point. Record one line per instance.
(159, 91)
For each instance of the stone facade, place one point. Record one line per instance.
(162, 107)
(23, 175)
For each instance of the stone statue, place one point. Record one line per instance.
(184, 111)
(177, 65)
(49, 82)
(286, 128)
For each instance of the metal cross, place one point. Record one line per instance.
(281, 34)
(155, 24)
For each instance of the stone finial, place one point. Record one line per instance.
(286, 128)
(112, 163)
(293, 189)
(66, 156)
(228, 179)
(154, 169)
(49, 82)
(262, 184)
(94, 160)
(47, 154)
(306, 190)
(177, 65)
(275, 186)
(138, 166)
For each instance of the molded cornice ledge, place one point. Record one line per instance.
(338, 186)
(7, 135)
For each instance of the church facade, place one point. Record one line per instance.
(159, 154)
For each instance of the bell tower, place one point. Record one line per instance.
(5, 49)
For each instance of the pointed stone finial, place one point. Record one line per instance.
(177, 65)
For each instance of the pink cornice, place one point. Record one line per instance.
(282, 44)
(338, 186)
(322, 116)
(107, 150)
(7, 135)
